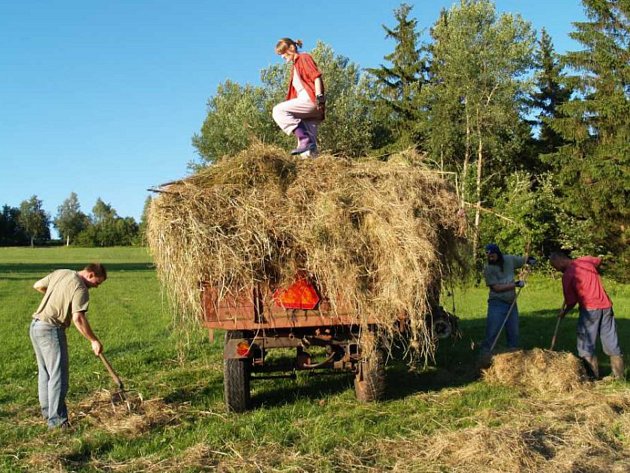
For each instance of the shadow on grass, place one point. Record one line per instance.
(314, 386)
(456, 362)
(86, 452)
(45, 268)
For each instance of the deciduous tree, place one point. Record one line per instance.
(34, 220)
(478, 65)
(70, 221)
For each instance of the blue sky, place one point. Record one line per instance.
(102, 98)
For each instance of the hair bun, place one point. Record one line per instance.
(299, 42)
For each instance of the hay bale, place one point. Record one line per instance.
(376, 235)
(537, 369)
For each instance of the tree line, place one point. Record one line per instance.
(539, 141)
(29, 224)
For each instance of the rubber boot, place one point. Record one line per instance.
(304, 140)
(616, 363)
(592, 368)
(483, 362)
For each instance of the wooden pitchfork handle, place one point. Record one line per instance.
(507, 316)
(555, 332)
(111, 372)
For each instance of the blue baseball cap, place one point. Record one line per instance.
(493, 248)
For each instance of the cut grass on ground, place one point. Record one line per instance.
(438, 419)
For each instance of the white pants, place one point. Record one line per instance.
(290, 113)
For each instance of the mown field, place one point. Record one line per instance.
(442, 418)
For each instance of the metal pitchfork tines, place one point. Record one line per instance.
(119, 396)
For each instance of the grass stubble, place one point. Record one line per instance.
(560, 423)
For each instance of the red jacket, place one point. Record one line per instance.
(581, 284)
(308, 72)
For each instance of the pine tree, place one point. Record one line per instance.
(550, 94)
(594, 168)
(34, 220)
(400, 84)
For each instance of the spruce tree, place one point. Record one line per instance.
(400, 84)
(550, 94)
(593, 169)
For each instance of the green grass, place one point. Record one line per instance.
(300, 425)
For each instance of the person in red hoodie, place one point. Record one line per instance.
(582, 286)
(304, 107)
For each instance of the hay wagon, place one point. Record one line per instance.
(298, 317)
(373, 237)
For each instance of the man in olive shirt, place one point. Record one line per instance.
(499, 274)
(66, 299)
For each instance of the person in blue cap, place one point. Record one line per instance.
(500, 278)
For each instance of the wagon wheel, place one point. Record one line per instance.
(236, 379)
(369, 382)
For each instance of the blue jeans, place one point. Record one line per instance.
(497, 310)
(597, 322)
(51, 351)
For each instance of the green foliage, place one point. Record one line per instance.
(141, 239)
(106, 228)
(524, 216)
(11, 234)
(34, 220)
(550, 94)
(348, 127)
(593, 169)
(236, 116)
(478, 63)
(398, 86)
(70, 221)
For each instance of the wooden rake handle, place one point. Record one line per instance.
(111, 372)
(555, 333)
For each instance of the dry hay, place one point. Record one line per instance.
(537, 369)
(132, 417)
(377, 236)
(585, 431)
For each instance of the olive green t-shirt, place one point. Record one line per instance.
(494, 275)
(66, 294)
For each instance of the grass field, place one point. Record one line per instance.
(430, 420)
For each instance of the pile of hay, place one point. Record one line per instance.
(586, 430)
(376, 235)
(131, 417)
(537, 369)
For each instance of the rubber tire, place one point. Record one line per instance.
(236, 380)
(369, 382)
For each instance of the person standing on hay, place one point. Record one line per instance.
(499, 275)
(304, 108)
(66, 299)
(582, 285)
